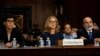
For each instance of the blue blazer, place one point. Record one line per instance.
(53, 37)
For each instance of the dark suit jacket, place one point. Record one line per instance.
(84, 33)
(15, 33)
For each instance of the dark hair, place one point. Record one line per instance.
(8, 16)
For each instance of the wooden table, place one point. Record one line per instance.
(46, 51)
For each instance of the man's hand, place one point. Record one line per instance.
(97, 39)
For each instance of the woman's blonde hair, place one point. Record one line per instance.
(47, 29)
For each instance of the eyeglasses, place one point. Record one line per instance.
(52, 21)
(9, 20)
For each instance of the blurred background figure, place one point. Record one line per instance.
(68, 33)
(74, 32)
(33, 36)
(52, 30)
(95, 26)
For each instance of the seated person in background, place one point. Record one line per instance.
(68, 34)
(88, 33)
(32, 38)
(8, 32)
(74, 32)
(52, 30)
(95, 26)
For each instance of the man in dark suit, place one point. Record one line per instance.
(88, 33)
(9, 32)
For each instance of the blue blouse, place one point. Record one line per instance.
(53, 37)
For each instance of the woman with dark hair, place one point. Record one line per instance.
(9, 31)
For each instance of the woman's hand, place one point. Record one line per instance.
(8, 45)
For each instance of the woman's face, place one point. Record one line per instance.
(9, 23)
(52, 23)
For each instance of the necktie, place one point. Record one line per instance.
(90, 35)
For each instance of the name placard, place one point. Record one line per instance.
(73, 42)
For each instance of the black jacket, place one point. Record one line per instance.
(15, 33)
(84, 33)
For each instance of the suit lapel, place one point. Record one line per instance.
(93, 33)
(86, 33)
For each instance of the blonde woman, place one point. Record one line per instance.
(51, 30)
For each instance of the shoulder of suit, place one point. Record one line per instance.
(96, 30)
